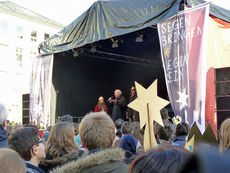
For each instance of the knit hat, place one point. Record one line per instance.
(129, 142)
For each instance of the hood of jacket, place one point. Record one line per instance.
(105, 157)
(59, 161)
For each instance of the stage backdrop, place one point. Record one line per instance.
(183, 53)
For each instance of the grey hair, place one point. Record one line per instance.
(119, 91)
(3, 113)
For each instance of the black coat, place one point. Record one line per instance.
(119, 109)
(132, 114)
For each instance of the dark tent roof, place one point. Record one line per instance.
(107, 19)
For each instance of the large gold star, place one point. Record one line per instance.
(148, 104)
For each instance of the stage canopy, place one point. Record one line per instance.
(108, 19)
(111, 45)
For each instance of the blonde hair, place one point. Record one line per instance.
(225, 134)
(10, 161)
(61, 140)
(97, 131)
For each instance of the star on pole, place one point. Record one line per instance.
(182, 99)
(148, 104)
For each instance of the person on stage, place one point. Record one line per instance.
(132, 114)
(101, 106)
(119, 105)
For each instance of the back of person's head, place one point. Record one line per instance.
(137, 132)
(97, 131)
(129, 143)
(61, 140)
(49, 128)
(67, 118)
(76, 128)
(164, 114)
(126, 128)
(17, 127)
(3, 114)
(182, 129)
(9, 129)
(225, 134)
(164, 133)
(118, 123)
(160, 160)
(11, 162)
(32, 126)
(23, 140)
(45, 136)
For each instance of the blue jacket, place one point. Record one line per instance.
(179, 141)
(30, 168)
(3, 138)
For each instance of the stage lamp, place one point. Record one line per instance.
(76, 52)
(115, 42)
(93, 49)
(139, 38)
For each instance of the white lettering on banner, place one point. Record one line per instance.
(176, 24)
(174, 32)
(177, 36)
(173, 68)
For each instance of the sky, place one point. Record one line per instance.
(62, 11)
(67, 11)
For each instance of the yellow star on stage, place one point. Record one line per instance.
(148, 104)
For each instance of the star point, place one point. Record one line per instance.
(182, 99)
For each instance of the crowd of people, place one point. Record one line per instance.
(101, 144)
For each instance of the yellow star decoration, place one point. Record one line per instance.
(148, 104)
(166, 52)
(190, 144)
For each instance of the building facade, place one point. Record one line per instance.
(21, 32)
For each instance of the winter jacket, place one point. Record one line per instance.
(3, 138)
(32, 168)
(105, 161)
(179, 141)
(50, 164)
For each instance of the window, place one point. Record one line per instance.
(46, 36)
(3, 27)
(32, 54)
(19, 56)
(222, 82)
(34, 36)
(19, 32)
